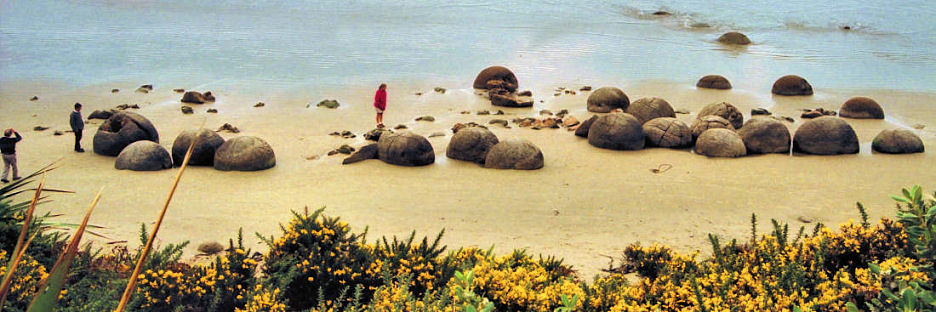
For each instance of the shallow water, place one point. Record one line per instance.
(290, 45)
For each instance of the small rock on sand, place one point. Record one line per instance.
(210, 248)
(179, 90)
(57, 132)
(229, 128)
(212, 110)
(440, 90)
(40, 128)
(115, 90)
(34, 98)
(399, 127)
(437, 134)
(483, 112)
(260, 104)
(426, 118)
(328, 104)
(187, 110)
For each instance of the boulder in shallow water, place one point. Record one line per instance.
(825, 136)
(514, 154)
(791, 85)
(606, 99)
(405, 149)
(245, 153)
(861, 108)
(720, 142)
(506, 78)
(143, 156)
(206, 143)
(120, 130)
(619, 131)
(735, 38)
(714, 82)
(897, 142)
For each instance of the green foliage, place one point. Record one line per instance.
(466, 298)
(568, 304)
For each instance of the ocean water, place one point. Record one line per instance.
(287, 45)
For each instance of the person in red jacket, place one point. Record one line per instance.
(380, 103)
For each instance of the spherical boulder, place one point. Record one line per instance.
(714, 82)
(791, 85)
(646, 109)
(606, 99)
(708, 122)
(582, 129)
(206, 143)
(897, 142)
(120, 130)
(720, 142)
(506, 78)
(764, 136)
(143, 156)
(667, 132)
(734, 37)
(471, 144)
(514, 154)
(244, 153)
(617, 131)
(405, 149)
(724, 110)
(861, 108)
(825, 135)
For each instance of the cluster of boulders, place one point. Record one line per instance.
(501, 86)
(135, 141)
(481, 146)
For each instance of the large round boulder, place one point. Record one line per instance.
(791, 85)
(143, 156)
(405, 149)
(606, 99)
(206, 143)
(514, 154)
(734, 37)
(714, 82)
(498, 76)
(617, 131)
(764, 136)
(244, 153)
(582, 129)
(667, 132)
(897, 142)
(825, 135)
(862, 108)
(120, 130)
(471, 144)
(709, 122)
(646, 109)
(720, 142)
(724, 110)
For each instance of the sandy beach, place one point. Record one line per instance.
(584, 205)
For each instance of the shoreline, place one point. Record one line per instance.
(606, 199)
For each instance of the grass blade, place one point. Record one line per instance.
(50, 287)
(131, 284)
(20, 248)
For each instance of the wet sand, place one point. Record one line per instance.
(605, 199)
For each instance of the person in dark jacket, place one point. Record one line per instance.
(380, 103)
(8, 149)
(77, 125)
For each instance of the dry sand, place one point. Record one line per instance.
(605, 199)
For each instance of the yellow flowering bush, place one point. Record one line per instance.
(25, 282)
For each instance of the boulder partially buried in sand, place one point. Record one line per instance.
(120, 130)
(649, 108)
(606, 99)
(499, 76)
(724, 110)
(897, 142)
(667, 132)
(405, 149)
(825, 136)
(245, 153)
(514, 154)
(861, 108)
(734, 37)
(709, 122)
(791, 85)
(207, 142)
(471, 144)
(582, 129)
(143, 156)
(764, 136)
(197, 97)
(720, 142)
(619, 131)
(713, 82)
